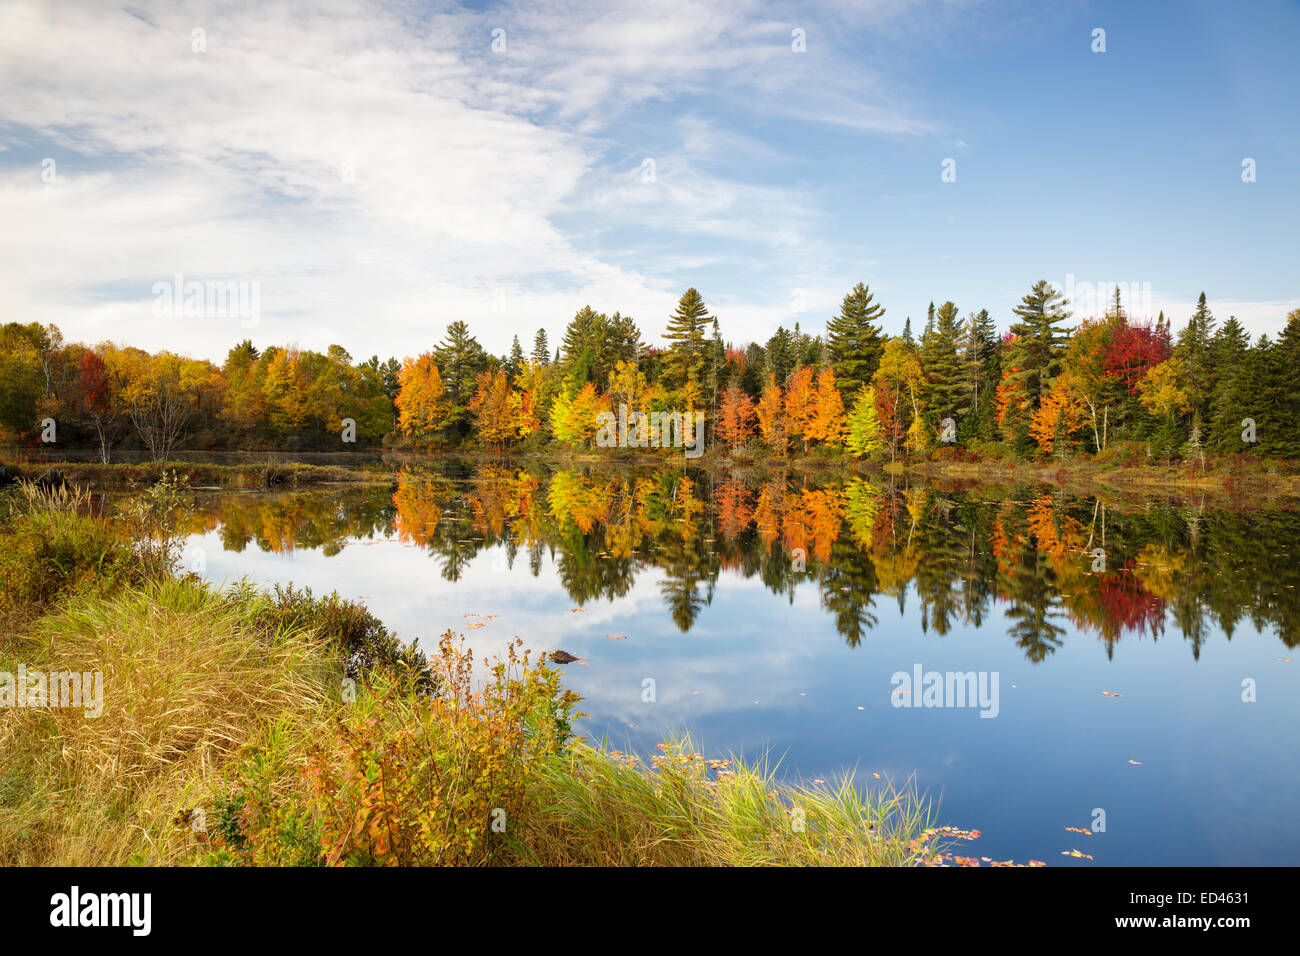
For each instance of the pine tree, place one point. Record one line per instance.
(779, 358)
(853, 340)
(1037, 347)
(1232, 392)
(515, 361)
(907, 333)
(687, 344)
(461, 358)
(587, 332)
(622, 340)
(1195, 348)
(978, 349)
(541, 348)
(942, 368)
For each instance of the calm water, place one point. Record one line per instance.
(772, 615)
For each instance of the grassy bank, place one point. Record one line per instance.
(241, 727)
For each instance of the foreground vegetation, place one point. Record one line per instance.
(244, 727)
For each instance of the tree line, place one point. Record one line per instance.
(1110, 385)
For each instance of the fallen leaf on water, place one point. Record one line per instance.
(575, 610)
(617, 637)
(876, 775)
(1079, 830)
(1076, 853)
(1136, 762)
(1286, 660)
(1106, 693)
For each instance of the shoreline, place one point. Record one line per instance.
(1232, 480)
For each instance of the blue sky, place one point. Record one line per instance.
(378, 170)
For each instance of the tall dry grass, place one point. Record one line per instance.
(190, 677)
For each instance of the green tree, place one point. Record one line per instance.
(853, 338)
(687, 343)
(1036, 351)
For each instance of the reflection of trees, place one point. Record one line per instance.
(854, 539)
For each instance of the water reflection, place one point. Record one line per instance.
(1053, 563)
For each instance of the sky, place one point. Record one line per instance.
(369, 172)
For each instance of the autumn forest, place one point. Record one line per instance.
(1047, 386)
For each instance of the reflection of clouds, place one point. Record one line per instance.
(740, 649)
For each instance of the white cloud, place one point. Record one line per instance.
(228, 164)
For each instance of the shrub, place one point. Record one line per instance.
(349, 626)
(407, 779)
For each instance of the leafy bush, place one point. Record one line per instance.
(419, 781)
(405, 779)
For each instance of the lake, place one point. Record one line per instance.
(1032, 659)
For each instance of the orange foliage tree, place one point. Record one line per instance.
(829, 423)
(771, 421)
(420, 404)
(736, 416)
(800, 405)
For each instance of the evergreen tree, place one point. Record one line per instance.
(942, 368)
(978, 349)
(588, 330)
(622, 341)
(853, 340)
(1195, 348)
(460, 358)
(541, 348)
(779, 358)
(1035, 352)
(907, 333)
(687, 345)
(515, 361)
(1232, 393)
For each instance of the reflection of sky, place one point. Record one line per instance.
(758, 672)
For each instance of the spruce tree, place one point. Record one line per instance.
(515, 361)
(1039, 342)
(687, 342)
(586, 330)
(853, 340)
(979, 345)
(1231, 398)
(1195, 348)
(541, 348)
(942, 367)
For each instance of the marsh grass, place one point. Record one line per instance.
(190, 678)
(595, 807)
